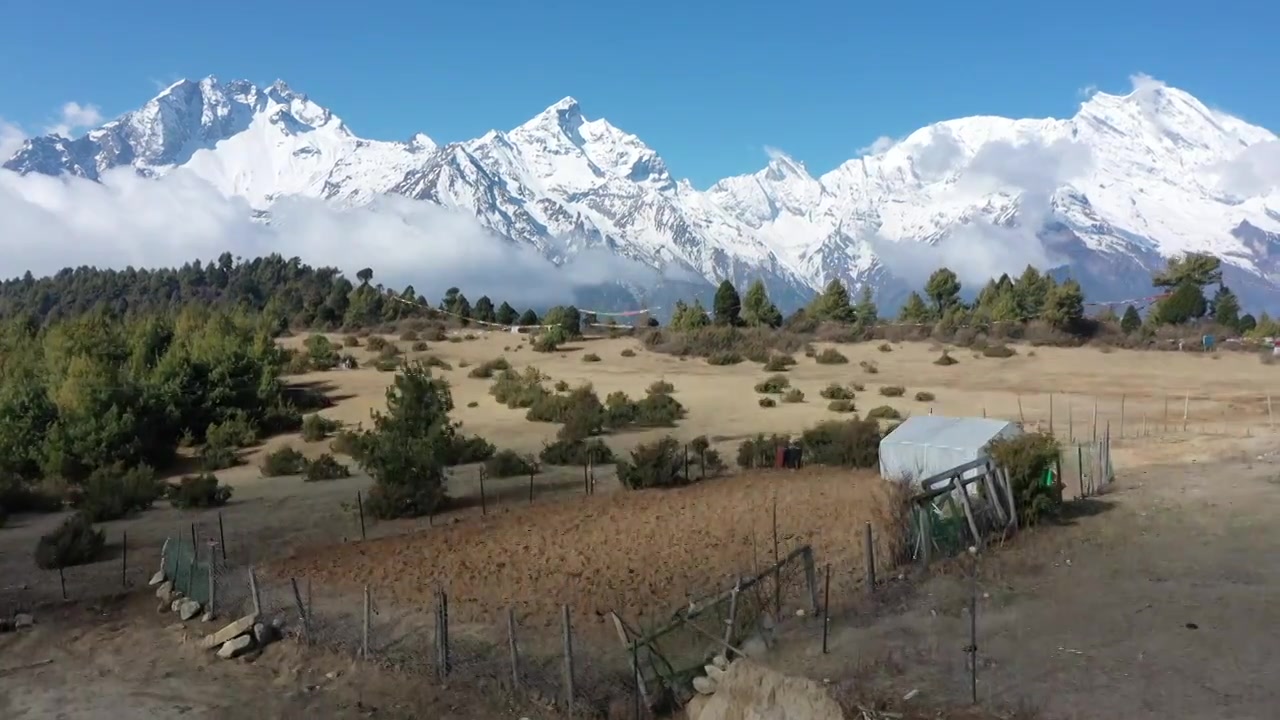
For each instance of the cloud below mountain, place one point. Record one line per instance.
(127, 220)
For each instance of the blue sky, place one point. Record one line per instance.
(708, 85)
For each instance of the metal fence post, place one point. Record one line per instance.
(568, 657)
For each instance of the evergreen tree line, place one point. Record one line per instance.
(1032, 296)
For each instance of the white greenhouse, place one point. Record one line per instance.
(925, 445)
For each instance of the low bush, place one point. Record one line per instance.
(945, 359)
(113, 492)
(217, 457)
(998, 351)
(885, 347)
(773, 385)
(857, 386)
(844, 443)
(1028, 458)
(420, 346)
(472, 404)
(841, 406)
(925, 396)
(376, 343)
(317, 427)
(433, 361)
(884, 412)
(409, 336)
(561, 386)
(346, 442)
(830, 356)
(509, 463)
(751, 343)
(657, 464)
(708, 459)
(779, 363)
(234, 432)
(198, 491)
(325, 467)
(519, 390)
(658, 410)
(576, 452)
(488, 368)
(389, 351)
(590, 358)
(725, 357)
(628, 353)
(893, 391)
(467, 449)
(285, 461)
(869, 367)
(74, 542)
(794, 395)
(835, 391)
(660, 387)
(767, 402)
(350, 341)
(760, 451)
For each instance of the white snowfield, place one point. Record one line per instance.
(1128, 181)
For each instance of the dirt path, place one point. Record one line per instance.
(1157, 604)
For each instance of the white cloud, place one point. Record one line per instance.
(1254, 171)
(1087, 91)
(126, 220)
(981, 248)
(11, 139)
(74, 117)
(878, 146)
(1142, 81)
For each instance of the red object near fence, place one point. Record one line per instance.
(779, 457)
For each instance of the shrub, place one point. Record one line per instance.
(869, 367)
(323, 355)
(454, 339)
(845, 443)
(234, 432)
(658, 410)
(376, 343)
(841, 406)
(285, 461)
(654, 465)
(509, 463)
(724, 357)
(489, 367)
(561, 386)
(472, 404)
(350, 341)
(998, 351)
(409, 336)
(387, 365)
(217, 457)
(346, 442)
(325, 467)
(660, 387)
(945, 359)
(619, 410)
(519, 390)
(590, 358)
(830, 356)
(432, 361)
(467, 449)
(316, 427)
(925, 396)
(389, 351)
(835, 391)
(576, 452)
(794, 395)
(893, 391)
(75, 542)
(708, 459)
(420, 346)
(198, 491)
(774, 385)
(779, 363)
(435, 333)
(297, 363)
(752, 343)
(112, 492)
(767, 402)
(884, 412)
(19, 497)
(885, 347)
(549, 340)
(1028, 458)
(857, 386)
(628, 352)
(760, 451)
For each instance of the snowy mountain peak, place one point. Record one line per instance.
(1108, 193)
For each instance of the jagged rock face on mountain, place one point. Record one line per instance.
(1106, 195)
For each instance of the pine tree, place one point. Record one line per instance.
(727, 305)
(1131, 320)
(866, 311)
(757, 309)
(943, 288)
(506, 315)
(832, 304)
(1226, 308)
(484, 309)
(528, 318)
(914, 310)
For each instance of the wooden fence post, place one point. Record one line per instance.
(826, 608)
(484, 510)
(222, 538)
(1080, 468)
(124, 559)
(513, 648)
(1122, 415)
(210, 608)
(777, 571)
(1071, 423)
(869, 558)
(568, 657)
(253, 592)
(360, 508)
(1050, 414)
(364, 628)
(1186, 409)
(1095, 418)
(302, 611)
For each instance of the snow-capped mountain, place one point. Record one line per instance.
(1105, 195)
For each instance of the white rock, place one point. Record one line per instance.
(800, 612)
(704, 685)
(721, 662)
(188, 609)
(714, 673)
(235, 647)
(157, 579)
(207, 617)
(235, 629)
(176, 605)
(164, 590)
(23, 620)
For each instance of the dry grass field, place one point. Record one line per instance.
(642, 553)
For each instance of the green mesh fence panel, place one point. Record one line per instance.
(947, 532)
(188, 569)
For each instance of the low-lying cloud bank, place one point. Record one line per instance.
(51, 223)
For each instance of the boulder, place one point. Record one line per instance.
(157, 579)
(235, 647)
(233, 630)
(23, 620)
(164, 590)
(714, 673)
(188, 609)
(704, 685)
(176, 604)
(721, 662)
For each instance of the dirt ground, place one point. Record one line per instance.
(1097, 609)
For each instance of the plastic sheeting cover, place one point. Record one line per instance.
(929, 444)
